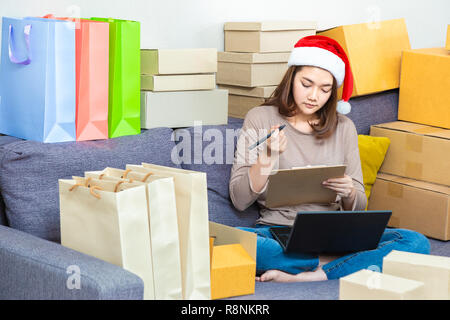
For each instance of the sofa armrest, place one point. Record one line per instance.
(33, 268)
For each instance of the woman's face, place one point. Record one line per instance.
(311, 89)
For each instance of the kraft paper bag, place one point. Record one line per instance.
(108, 220)
(192, 211)
(92, 76)
(162, 213)
(37, 79)
(124, 77)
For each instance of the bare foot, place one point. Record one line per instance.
(280, 276)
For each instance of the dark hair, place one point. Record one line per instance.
(283, 98)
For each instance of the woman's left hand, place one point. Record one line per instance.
(342, 186)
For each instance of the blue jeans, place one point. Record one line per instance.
(270, 254)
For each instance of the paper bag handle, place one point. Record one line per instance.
(100, 177)
(124, 176)
(118, 184)
(12, 57)
(91, 189)
(146, 176)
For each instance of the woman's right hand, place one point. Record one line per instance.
(277, 142)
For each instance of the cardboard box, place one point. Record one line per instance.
(370, 285)
(178, 61)
(433, 271)
(239, 57)
(233, 261)
(415, 205)
(374, 51)
(250, 75)
(268, 36)
(179, 82)
(251, 70)
(447, 43)
(257, 92)
(238, 106)
(416, 151)
(177, 109)
(424, 87)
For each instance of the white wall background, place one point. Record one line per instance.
(199, 23)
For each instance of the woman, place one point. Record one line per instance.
(315, 134)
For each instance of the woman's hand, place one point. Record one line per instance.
(277, 142)
(342, 186)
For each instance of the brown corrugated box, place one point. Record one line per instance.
(257, 92)
(238, 106)
(424, 87)
(242, 99)
(374, 51)
(415, 205)
(251, 69)
(416, 151)
(267, 36)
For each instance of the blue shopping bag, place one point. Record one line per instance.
(37, 79)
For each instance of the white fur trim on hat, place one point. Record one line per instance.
(343, 107)
(318, 57)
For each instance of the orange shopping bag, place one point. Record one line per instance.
(92, 78)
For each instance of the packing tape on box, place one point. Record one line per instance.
(395, 190)
(414, 143)
(414, 169)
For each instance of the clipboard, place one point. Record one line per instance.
(290, 187)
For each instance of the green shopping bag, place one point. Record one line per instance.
(124, 77)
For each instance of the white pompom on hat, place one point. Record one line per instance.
(326, 53)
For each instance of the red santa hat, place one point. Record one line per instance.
(326, 53)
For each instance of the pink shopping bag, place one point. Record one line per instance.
(92, 78)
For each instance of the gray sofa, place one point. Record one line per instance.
(33, 264)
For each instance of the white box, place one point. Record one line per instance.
(178, 61)
(433, 271)
(179, 82)
(183, 108)
(370, 285)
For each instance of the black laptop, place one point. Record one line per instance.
(332, 231)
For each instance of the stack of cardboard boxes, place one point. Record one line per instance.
(255, 60)
(414, 180)
(178, 89)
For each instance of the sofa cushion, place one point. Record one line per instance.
(373, 109)
(210, 149)
(4, 140)
(29, 173)
(372, 151)
(3, 220)
(316, 290)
